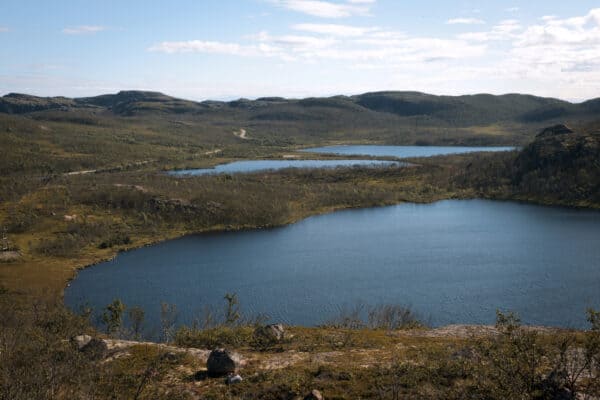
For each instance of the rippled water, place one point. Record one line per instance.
(401, 151)
(452, 261)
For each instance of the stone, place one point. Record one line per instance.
(222, 362)
(9, 255)
(272, 333)
(314, 395)
(81, 341)
(233, 379)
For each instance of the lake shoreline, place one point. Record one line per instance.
(426, 313)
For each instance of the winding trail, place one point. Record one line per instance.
(109, 169)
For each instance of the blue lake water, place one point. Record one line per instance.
(266, 165)
(248, 166)
(451, 261)
(401, 151)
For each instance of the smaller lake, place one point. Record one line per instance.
(272, 165)
(401, 151)
(249, 166)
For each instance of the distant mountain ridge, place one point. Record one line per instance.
(457, 110)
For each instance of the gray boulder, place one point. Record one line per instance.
(271, 333)
(233, 379)
(222, 362)
(81, 341)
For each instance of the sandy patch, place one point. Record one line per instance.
(242, 134)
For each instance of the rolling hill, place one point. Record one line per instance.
(454, 110)
(48, 135)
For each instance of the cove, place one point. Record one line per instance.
(401, 151)
(453, 261)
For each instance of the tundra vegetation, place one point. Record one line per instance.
(81, 179)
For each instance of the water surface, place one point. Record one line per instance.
(401, 151)
(266, 165)
(452, 261)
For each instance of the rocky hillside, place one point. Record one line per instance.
(560, 162)
(560, 166)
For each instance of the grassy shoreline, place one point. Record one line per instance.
(431, 180)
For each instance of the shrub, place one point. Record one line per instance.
(117, 239)
(112, 317)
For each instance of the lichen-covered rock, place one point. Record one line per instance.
(270, 333)
(222, 362)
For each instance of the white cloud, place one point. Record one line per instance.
(384, 47)
(504, 30)
(299, 43)
(552, 57)
(556, 57)
(201, 46)
(583, 31)
(83, 29)
(465, 21)
(334, 30)
(327, 9)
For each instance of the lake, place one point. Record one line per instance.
(401, 151)
(267, 165)
(453, 261)
(248, 166)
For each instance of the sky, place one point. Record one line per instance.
(228, 49)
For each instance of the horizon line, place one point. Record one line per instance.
(227, 99)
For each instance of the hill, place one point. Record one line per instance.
(454, 110)
(560, 166)
(16, 103)
(58, 134)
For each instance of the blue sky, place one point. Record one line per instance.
(227, 49)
